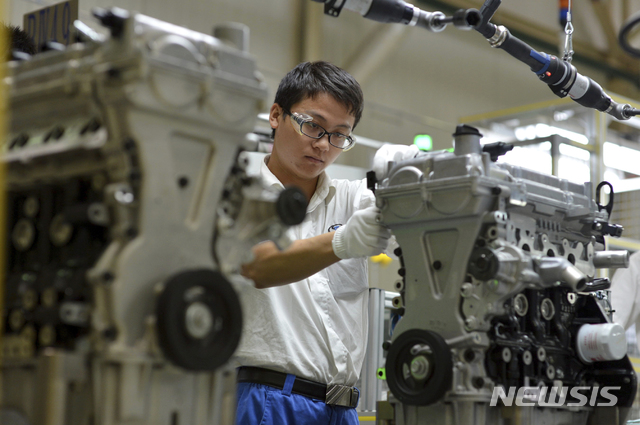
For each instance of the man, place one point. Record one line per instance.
(306, 319)
(625, 295)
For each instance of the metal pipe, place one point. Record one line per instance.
(611, 259)
(557, 269)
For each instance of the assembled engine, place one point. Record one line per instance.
(125, 171)
(503, 318)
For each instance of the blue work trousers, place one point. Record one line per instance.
(264, 405)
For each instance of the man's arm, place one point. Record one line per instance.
(362, 236)
(272, 267)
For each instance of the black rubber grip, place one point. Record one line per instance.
(390, 11)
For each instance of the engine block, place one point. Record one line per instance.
(125, 170)
(503, 318)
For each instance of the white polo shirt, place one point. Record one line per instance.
(316, 328)
(625, 295)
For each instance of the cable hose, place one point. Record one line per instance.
(632, 22)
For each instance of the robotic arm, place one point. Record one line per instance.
(397, 11)
(561, 77)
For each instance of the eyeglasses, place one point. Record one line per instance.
(304, 125)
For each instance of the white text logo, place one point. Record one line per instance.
(554, 396)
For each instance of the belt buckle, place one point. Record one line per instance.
(342, 395)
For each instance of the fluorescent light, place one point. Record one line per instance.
(621, 158)
(563, 115)
(537, 157)
(626, 185)
(574, 170)
(574, 152)
(530, 132)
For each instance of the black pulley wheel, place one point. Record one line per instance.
(419, 367)
(291, 206)
(199, 320)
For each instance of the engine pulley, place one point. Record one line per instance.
(199, 320)
(419, 367)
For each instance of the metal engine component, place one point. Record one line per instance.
(121, 152)
(499, 290)
(245, 204)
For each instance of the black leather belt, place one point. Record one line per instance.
(339, 395)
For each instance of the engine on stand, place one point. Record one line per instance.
(504, 320)
(125, 170)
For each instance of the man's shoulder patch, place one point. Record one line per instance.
(333, 228)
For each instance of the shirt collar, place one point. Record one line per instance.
(325, 189)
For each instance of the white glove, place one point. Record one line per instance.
(388, 153)
(362, 236)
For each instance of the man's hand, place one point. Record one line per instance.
(362, 236)
(388, 153)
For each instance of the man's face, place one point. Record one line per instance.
(298, 158)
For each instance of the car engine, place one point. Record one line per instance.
(128, 208)
(503, 318)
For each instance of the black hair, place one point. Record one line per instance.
(21, 41)
(18, 40)
(309, 79)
